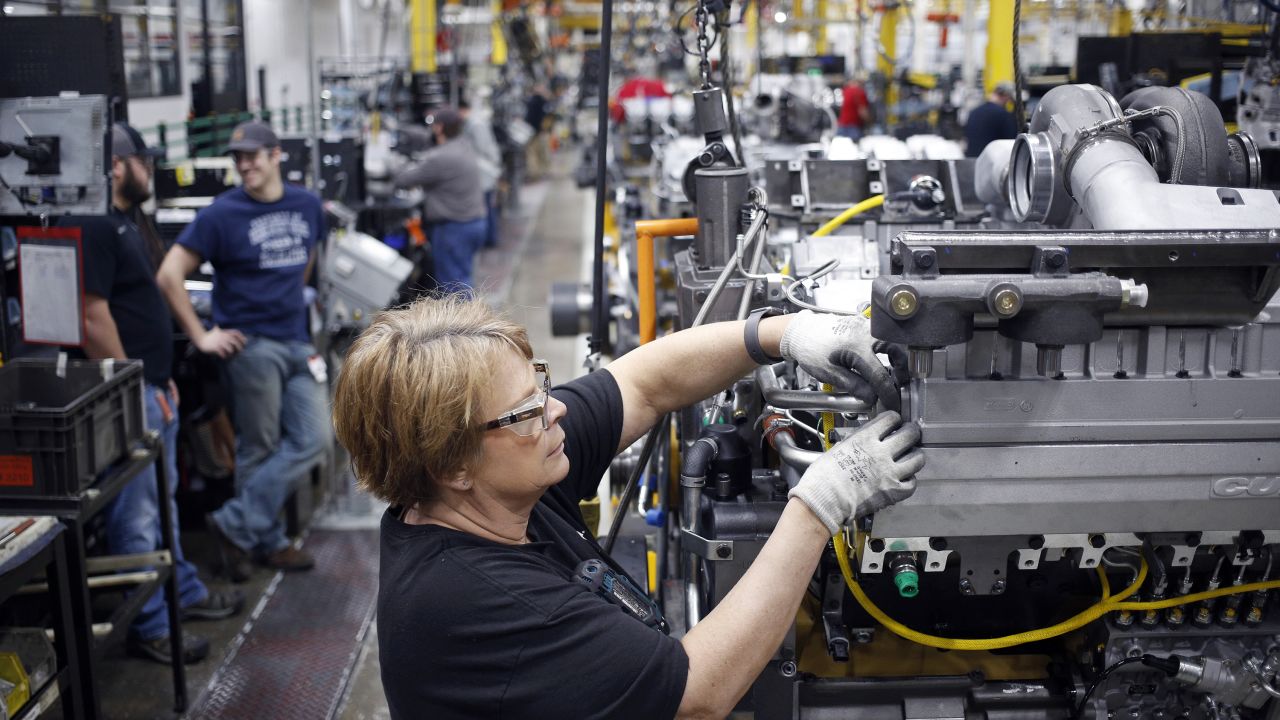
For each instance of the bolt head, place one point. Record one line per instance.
(1055, 260)
(903, 302)
(723, 552)
(924, 259)
(1006, 302)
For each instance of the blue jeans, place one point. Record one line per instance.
(453, 246)
(282, 430)
(133, 520)
(491, 218)
(853, 132)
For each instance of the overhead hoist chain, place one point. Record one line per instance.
(701, 16)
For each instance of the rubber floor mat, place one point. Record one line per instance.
(295, 658)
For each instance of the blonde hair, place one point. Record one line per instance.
(412, 389)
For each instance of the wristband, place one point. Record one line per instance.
(751, 336)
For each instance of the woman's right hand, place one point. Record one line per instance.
(867, 471)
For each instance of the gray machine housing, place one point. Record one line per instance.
(1085, 395)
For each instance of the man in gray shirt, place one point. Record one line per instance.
(453, 209)
(478, 131)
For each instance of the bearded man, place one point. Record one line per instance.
(125, 317)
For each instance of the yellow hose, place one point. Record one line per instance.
(872, 202)
(1197, 597)
(1105, 605)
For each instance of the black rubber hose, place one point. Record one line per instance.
(697, 459)
(875, 375)
(633, 482)
(599, 310)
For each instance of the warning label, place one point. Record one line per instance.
(15, 471)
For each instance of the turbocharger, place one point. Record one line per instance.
(1158, 160)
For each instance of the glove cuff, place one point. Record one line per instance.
(823, 502)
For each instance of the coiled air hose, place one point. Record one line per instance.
(874, 201)
(1105, 605)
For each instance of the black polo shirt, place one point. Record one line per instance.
(118, 269)
(469, 628)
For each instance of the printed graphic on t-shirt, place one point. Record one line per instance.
(280, 238)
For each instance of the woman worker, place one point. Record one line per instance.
(449, 419)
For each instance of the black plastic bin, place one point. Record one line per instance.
(58, 433)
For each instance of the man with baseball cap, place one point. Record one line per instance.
(990, 121)
(453, 210)
(260, 238)
(125, 318)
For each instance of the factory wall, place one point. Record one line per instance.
(276, 38)
(284, 54)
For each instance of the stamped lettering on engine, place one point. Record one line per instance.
(1239, 486)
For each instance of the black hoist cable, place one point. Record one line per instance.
(599, 293)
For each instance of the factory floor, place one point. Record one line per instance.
(306, 645)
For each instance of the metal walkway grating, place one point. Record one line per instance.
(295, 657)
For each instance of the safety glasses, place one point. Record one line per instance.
(530, 415)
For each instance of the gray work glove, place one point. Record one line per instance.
(867, 471)
(817, 340)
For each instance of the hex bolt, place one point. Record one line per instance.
(923, 259)
(1055, 260)
(997, 588)
(1006, 303)
(966, 587)
(862, 637)
(723, 551)
(903, 303)
(877, 545)
(1036, 542)
(1098, 540)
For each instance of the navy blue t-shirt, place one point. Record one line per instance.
(469, 628)
(987, 123)
(259, 253)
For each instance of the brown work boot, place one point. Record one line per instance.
(289, 559)
(234, 561)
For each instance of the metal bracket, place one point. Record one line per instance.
(112, 563)
(711, 550)
(833, 627)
